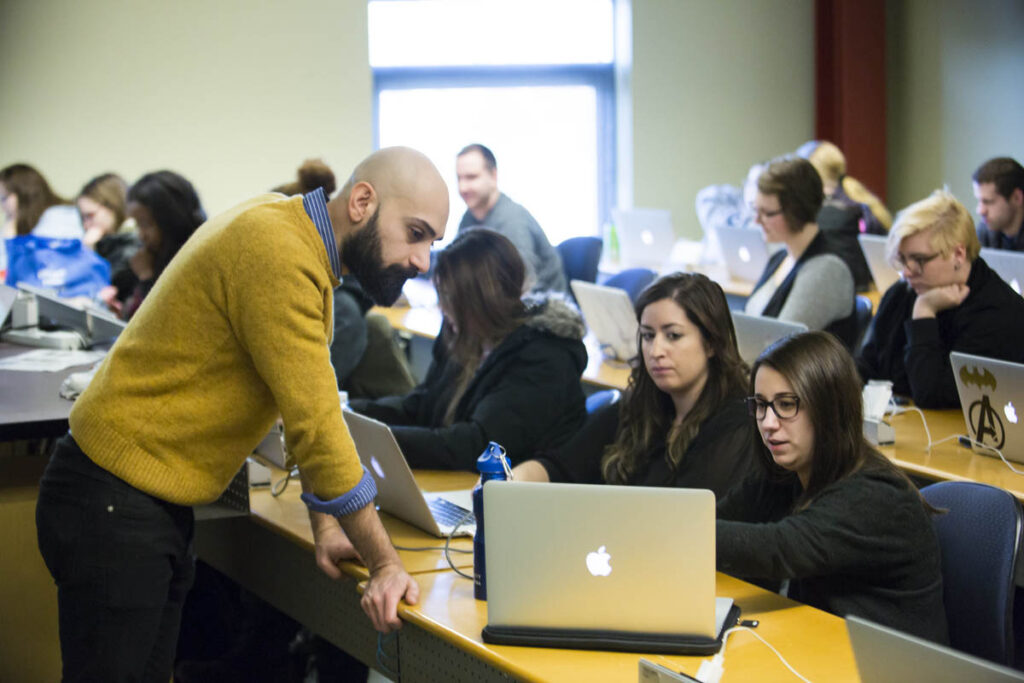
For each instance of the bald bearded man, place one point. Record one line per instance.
(235, 332)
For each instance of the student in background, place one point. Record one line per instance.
(827, 512)
(32, 207)
(101, 204)
(504, 369)
(999, 189)
(313, 173)
(167, 211)
(807, 281)
(682, 420)
(845, 190)
(948, 300)
(488, 207)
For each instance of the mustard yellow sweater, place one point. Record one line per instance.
(235, 331)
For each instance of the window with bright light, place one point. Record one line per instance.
(540, 94)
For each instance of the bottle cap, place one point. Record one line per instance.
(492, 460)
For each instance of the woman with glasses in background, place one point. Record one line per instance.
(808, 281)
(947, 300)
(825, 511)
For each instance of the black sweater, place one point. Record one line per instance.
(526, 396)
(722, 454)
(864, 546)
(914, 354)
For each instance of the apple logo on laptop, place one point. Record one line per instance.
(647, 237)
(1010, 412)
(744, 255)
(376, 466)
(599, 563)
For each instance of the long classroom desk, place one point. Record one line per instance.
(271, 554)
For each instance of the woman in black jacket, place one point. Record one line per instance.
(682, 421)
(948, 300)
(827, 512)
(505, 368)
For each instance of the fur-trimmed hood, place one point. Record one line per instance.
(553, 313)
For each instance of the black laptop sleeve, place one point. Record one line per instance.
(620, 641)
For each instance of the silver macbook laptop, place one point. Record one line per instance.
(397, 492)
(609, 314)
(1008, 264)
(885, 655)
(645, 237)
(755, 332)
(579, 559)
(745, 252)
(991, 392)
(882, 271)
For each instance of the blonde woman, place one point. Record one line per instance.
(948, 300)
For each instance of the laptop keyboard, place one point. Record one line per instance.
(448, 514)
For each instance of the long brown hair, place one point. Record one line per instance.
(109, 190)
(646, 413)
(33, 192)
(825, 378)
(479, 280)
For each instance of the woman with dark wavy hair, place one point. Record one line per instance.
(682, 421)
(167, 211)
(505, 368)
(826, 511)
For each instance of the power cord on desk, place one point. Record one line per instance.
(961, 438)
(448, 550)
(279, 486)
(711, 670)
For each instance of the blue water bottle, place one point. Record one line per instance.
(492, 465)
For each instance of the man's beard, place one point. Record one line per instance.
(361, 254)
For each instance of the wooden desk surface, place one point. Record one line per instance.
(948, 461)
(814, 642)
(287, 515)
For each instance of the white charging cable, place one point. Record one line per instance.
(711, 670)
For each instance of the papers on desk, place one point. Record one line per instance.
(49, 360)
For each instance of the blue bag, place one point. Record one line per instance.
(62, 265)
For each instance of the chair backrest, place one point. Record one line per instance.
(599, 399)
(580, 257)
(633, 280)
(863, 308)
(979, 538)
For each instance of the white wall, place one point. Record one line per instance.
(717, 86)
(231, 94)
(956, 93)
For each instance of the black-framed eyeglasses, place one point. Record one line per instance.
(785, 406)
(918, 260)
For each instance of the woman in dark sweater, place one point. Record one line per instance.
(682, 421)
(827, 512)
(505, 368)
(948, 300)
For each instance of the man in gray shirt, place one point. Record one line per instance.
(477, 172)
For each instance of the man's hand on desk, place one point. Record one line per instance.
(388, 585)
(332, 544)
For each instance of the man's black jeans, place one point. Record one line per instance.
(123, 563)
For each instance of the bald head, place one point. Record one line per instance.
(400, 173)
(389, 212)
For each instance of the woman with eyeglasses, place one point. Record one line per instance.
(681, 421)
(808, 281)
(826, 512)
(947, 300)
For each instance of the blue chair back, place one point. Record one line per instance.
(862, 310)
(580, 256)
(599, 399)
(633, 280)
(979, 538)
